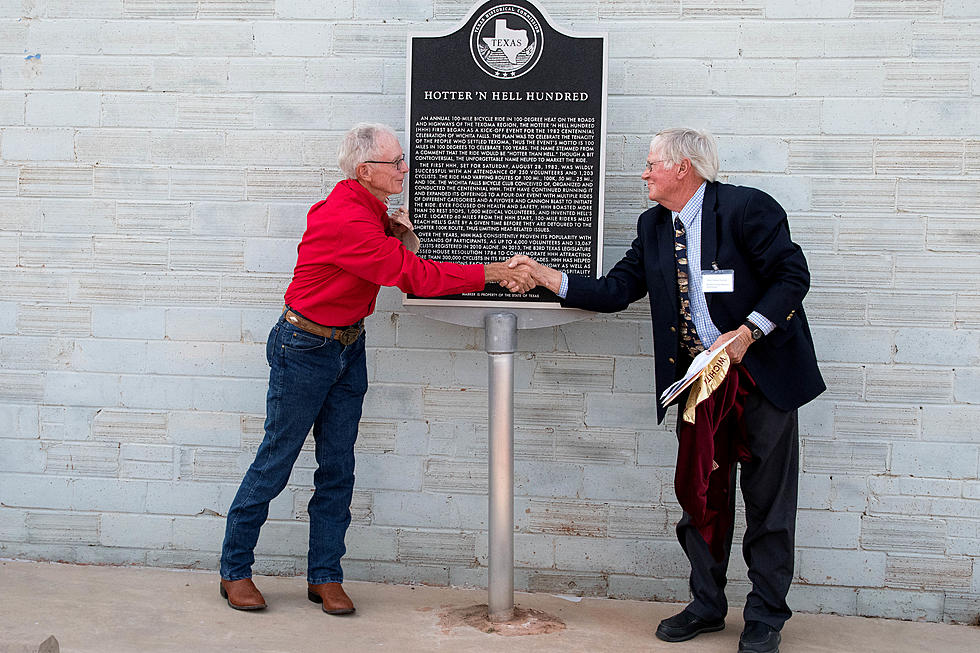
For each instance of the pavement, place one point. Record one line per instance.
(93, 609)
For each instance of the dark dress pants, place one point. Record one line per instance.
(769, 483)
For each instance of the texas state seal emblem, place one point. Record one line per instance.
(506, 41)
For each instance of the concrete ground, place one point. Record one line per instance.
(127, 609)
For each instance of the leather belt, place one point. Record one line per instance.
(347, 335)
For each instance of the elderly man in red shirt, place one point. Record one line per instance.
(318, 374)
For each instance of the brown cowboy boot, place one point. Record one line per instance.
(242, 594)
(333, 597)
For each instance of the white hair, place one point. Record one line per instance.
(359, 145)
(679, 143)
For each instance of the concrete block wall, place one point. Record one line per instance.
(156, 163)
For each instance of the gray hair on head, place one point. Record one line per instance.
(679, 143)
(359, 145)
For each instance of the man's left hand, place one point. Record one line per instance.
(399, 222)
(736, 350)
(402, 229)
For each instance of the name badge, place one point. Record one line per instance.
(718, 280)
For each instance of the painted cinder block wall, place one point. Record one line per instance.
(156, 163)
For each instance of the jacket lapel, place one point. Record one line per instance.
(665, 253)
(709, 232)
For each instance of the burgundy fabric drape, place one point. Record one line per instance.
(705, 456)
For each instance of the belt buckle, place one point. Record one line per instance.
(349, 335)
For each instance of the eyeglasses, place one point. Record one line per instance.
(650, 164)
(397, 162)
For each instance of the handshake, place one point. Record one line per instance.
(521, 273)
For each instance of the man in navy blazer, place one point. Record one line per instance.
(718, 262)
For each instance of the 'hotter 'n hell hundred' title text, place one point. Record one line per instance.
(507, 96)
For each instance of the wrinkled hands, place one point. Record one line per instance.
(516, 279)
(402, 229)
(736, 350)
(542, 274)
(399, 221)
(521, 273)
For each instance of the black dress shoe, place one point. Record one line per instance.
(686, 625)
(758, 637)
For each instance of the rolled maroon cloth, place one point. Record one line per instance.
(705, 456)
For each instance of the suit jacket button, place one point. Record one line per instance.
(670, 360)
(673, 329)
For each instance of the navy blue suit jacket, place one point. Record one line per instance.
(742, 229)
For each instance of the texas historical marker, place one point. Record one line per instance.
(506, 131)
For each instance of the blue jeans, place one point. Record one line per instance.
(313, 381)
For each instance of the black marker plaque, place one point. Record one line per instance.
(506, 130)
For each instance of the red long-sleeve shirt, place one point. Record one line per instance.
(347, 254)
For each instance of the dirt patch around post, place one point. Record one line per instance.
(526, 621)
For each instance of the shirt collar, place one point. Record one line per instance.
(691, 210)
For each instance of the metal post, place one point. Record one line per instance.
(501, 337)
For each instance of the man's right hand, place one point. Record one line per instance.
(550, 278)
(515, 278)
